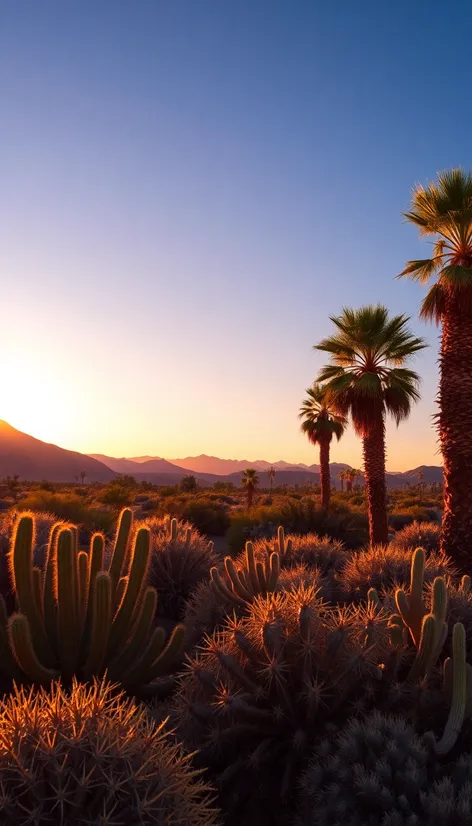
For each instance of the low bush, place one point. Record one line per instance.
(71, 508)
(425, 535)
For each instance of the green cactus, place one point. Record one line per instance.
(458, 677)
(67, 624)
(249, 579)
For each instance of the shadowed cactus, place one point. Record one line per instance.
(259, 693)
(246, 579)
(91, 756)
(376, 771)
(77, 619)
(180, 559)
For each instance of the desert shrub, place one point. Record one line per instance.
(376, 771)
(206, 516)
(91, 755)
(258, 694)
(117, 495)
(188, 484)
(141, 498)
(168, 490)
(425, 535)
(180, 559)
(383, 567)
(399, 520)
(71, 508)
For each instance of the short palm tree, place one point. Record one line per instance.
(320, 423)
(443, 211)
(366, 379)
(350, 477)
(342, 478)
(250, 481)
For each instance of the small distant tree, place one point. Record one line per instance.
(350, 477)
(83, 474)
(188, 484)
(125, 480)
(250, 481)
(271, 475)
(12, 484)
(341, 477)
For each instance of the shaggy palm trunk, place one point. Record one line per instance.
(325, 479)
(455, 433)
(250, 492)
(375, 488)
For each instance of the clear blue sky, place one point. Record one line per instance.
(189, 189)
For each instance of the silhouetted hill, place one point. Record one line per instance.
(135, 467)
(34, 460)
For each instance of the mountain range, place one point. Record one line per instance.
(34, 460)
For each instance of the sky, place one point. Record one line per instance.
(189, 189)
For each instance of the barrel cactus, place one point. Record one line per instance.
(180, 559)
(259, 692)
(375, 771)
(91, 755)
(76, 619)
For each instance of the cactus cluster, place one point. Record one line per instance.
(180, 559)
(377, 770)
(91, 755)
(327, 555)
(259, 692)
(75, 618)
(248, 579)
(383, 568)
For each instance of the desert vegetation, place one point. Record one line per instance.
(291, 655)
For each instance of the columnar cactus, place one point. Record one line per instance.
(77, 620)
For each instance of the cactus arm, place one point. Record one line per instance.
(373, 597)
(22, 648)
(82, 576)
(100, 601)
(222, 590)
(173, 529)
(262, 578)
(138, 672)
(465, 584)
(8, 663)
(136, 642)
(439, 600)
(121, 545)
(274, 572)
(136, 582)
(251, 567)
(459, 689)
(425, 649)
(281, 540)
(170, 653)
(238, 587)
(67, 603)
(417, 610)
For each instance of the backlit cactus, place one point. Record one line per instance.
(77, 620)
(248, 579)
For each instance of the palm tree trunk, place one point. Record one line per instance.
(375, 487)
(249, 497)
(455, 433)
(325, 479)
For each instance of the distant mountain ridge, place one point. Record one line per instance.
(34, 460)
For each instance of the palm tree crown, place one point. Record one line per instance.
(366, 376)
(444, 210)
(321, 421)
(250, 478)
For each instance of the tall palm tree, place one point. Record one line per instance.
(367, 379)
(271, 475)
(250, 481)
(443, 211)
(320, 423)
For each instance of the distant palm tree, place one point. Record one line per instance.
(83, 474)
(366, 379)
(320, 423)
(250, 481)
(271, 475)
(358, 476)
(443, 210)
(342, 477)
(350, 476)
